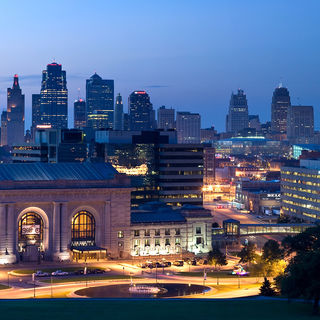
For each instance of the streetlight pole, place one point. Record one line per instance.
(34, 285)
(156, 273)
(238, 281)
(51, 286)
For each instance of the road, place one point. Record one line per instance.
(23, 287)
(231, 213)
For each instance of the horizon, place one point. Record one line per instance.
(192, 62)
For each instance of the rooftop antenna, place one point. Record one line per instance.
(298, 100)
(280, 83)
(78, 93)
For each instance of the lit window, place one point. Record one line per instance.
(120, 234)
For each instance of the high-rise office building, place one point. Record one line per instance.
(36, 119)
(300, 124)
(15, 114)
(238, 116)
(4, 123)
(118, 113)
(166, 118)
(54, 97)
(100, 102)
(279, 109)
(188, 127)
(141, 113)
(79, 109)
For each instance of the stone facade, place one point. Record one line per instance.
(55, 204)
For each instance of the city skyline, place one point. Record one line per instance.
(198, 62)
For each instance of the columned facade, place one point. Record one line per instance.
(39, 224)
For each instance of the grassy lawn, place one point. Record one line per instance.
(154, 309)
(49, 270)
(213, 274)
(88, 278)
(2, 286)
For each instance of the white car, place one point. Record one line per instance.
(40, 273)
(59, 273)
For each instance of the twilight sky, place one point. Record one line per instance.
(186, 54)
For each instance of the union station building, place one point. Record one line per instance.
(72, 211)
(63, 211)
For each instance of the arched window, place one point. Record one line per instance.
(30, 229)
(83, 227)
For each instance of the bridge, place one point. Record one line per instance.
(233, 228)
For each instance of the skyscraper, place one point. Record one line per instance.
(36, 118)
(100, 102)
(54, 97)
(279, 109)
(118, 113)
(166, 118)
(4, 123)
(79, 109)
(142, 116)
(15, 114)
(238, 116)
(188, 127)
(300, 124)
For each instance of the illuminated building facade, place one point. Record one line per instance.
(15, 114)
(160, 169)
(79, 114)
(259, 197)
(279, 110)
(181, 174)
(100, 102)
(188, 127)
(238, 116)
(63, 211)
(300, 189)
(157, 229)
(52, 145)
(54, 97)
(36, 119)
(141, 113)
(118, 113)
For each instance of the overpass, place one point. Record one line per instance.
(233, 228)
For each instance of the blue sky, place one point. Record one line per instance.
(188, 54)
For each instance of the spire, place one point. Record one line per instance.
(15, 82)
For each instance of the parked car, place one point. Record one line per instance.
(96, 271)
(178, 263)
(79, 272)
(59, 273)
(40, 273)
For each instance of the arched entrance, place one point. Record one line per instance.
(83, 236)
(30, 236)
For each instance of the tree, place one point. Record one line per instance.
(271, 251)
(215, 225)
(217, 258)
(248, 253)
(302, 276)
(308, 240)
(266, 289)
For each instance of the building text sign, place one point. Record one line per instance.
(30, 229)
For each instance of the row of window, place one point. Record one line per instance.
(147, 232)
(147, 242)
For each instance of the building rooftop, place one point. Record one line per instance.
(157, 217)
(56, 171)
(60, 175)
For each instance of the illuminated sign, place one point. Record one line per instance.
(30, 229)
(44, 126)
